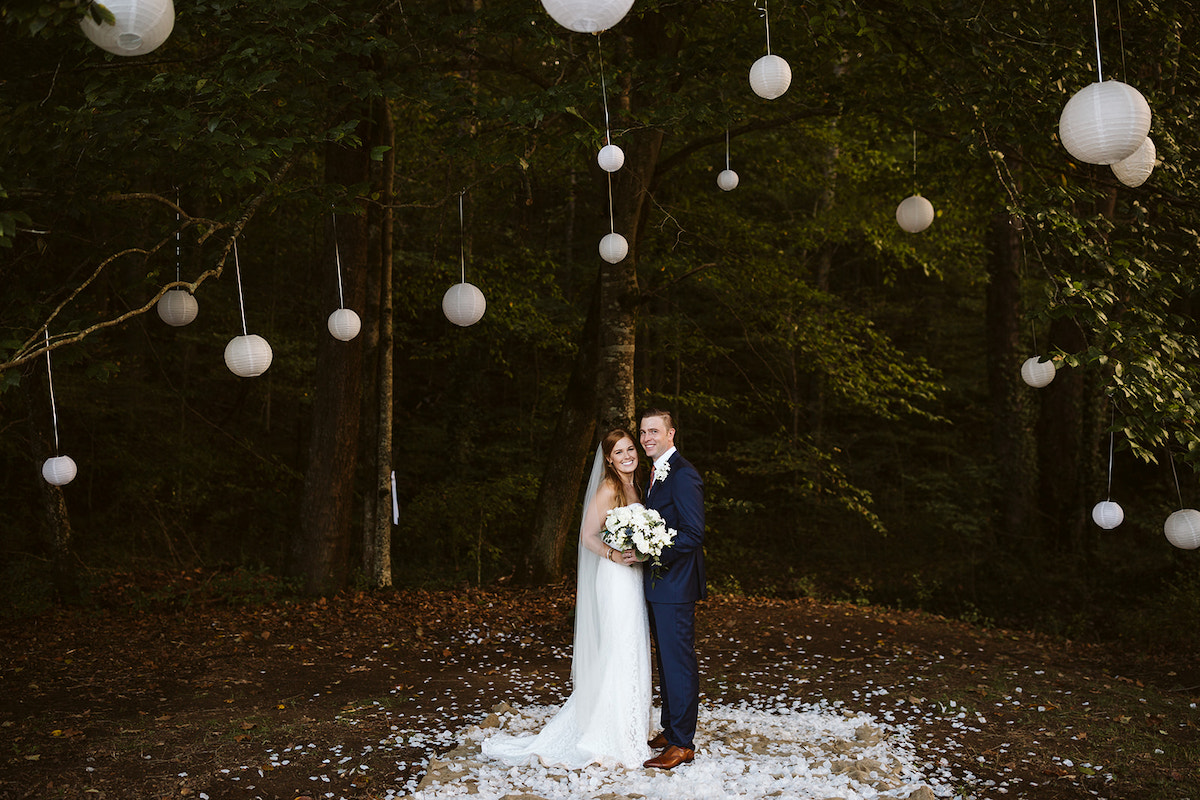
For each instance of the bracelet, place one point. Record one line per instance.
(611, 550)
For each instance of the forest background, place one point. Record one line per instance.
(851, 392)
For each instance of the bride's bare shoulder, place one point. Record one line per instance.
(607, 497)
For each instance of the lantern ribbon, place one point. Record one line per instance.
(237, 267)
(337, 259)
(50, 381)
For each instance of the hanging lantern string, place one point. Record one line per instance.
(1111, 434)
(50, 381)
(767, 22)
(337, 259)
(914, 160)
(462, 237)
(177, 232)
(1121, 39)
(727, 148)
(603, 91)
(612, 221)
(1096, 23)
(1033, 333)
(237, 268)
(1175, 475)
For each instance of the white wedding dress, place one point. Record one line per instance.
(607, 717)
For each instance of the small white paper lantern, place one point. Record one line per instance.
(613, 247)
(1107, 514)
(610, 158)
(463, 304)
(59, 470)
(177, 307)
(1183, 529)
(141, 26)
(1134, 171)
(344, 324)
(1104, 123)
(770, 77)
(1037, 373)
(587, 16)
(248, 356)
(914, 214)
(727, 180)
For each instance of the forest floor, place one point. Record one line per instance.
(164, 688)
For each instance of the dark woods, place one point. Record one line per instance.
(851, 392)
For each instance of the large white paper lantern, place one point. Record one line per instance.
(587, 16)
(248, 356)
(610, 158)
(770, 77)
(1134, 170)
(141, 26)
(1183, 529)
(463, 304)
(1037, 373)
(1107, 514)
(59, 470)
(344, 324)
(1104, 123)
(613, 247)
(727, 180)
(177, 307)
(914, 214)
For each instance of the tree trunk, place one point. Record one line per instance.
(1012, 445)
(322, 549)
(574, 436)
(377, 537)
(1066, 448)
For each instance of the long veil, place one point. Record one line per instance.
(586, 665)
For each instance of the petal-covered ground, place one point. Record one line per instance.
(386, 696)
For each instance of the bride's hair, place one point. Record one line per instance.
(611, 476)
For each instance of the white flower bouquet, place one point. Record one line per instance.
(640, 529)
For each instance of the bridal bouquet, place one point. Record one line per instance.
(640, 529)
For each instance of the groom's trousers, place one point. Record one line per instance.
(673, 626)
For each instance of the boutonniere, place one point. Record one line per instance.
(661, 471)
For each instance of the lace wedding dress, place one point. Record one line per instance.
(607, 717)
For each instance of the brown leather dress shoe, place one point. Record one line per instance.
(671, 758)
(658, 742)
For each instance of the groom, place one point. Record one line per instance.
(677, 493)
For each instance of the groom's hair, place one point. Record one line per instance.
(667, 416)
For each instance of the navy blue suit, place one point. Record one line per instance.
(671, 597)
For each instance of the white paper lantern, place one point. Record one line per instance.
(1037, 373)
(727, 180)
(914, 214)
(141, 26)
(587, 16)
(770, 77)
(177, 307)
(610, 158)
(613, 247)
(463, 304)
(344, 324)
(248, 356)
(1183, 529)
(1107, 514)
(1134, 171)
(1104, 123)
(59, 470)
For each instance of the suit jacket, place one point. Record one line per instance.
(679, 498)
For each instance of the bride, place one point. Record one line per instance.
(607, 717)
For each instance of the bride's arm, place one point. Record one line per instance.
(589, 532)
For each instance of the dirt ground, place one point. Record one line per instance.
(178, 693)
